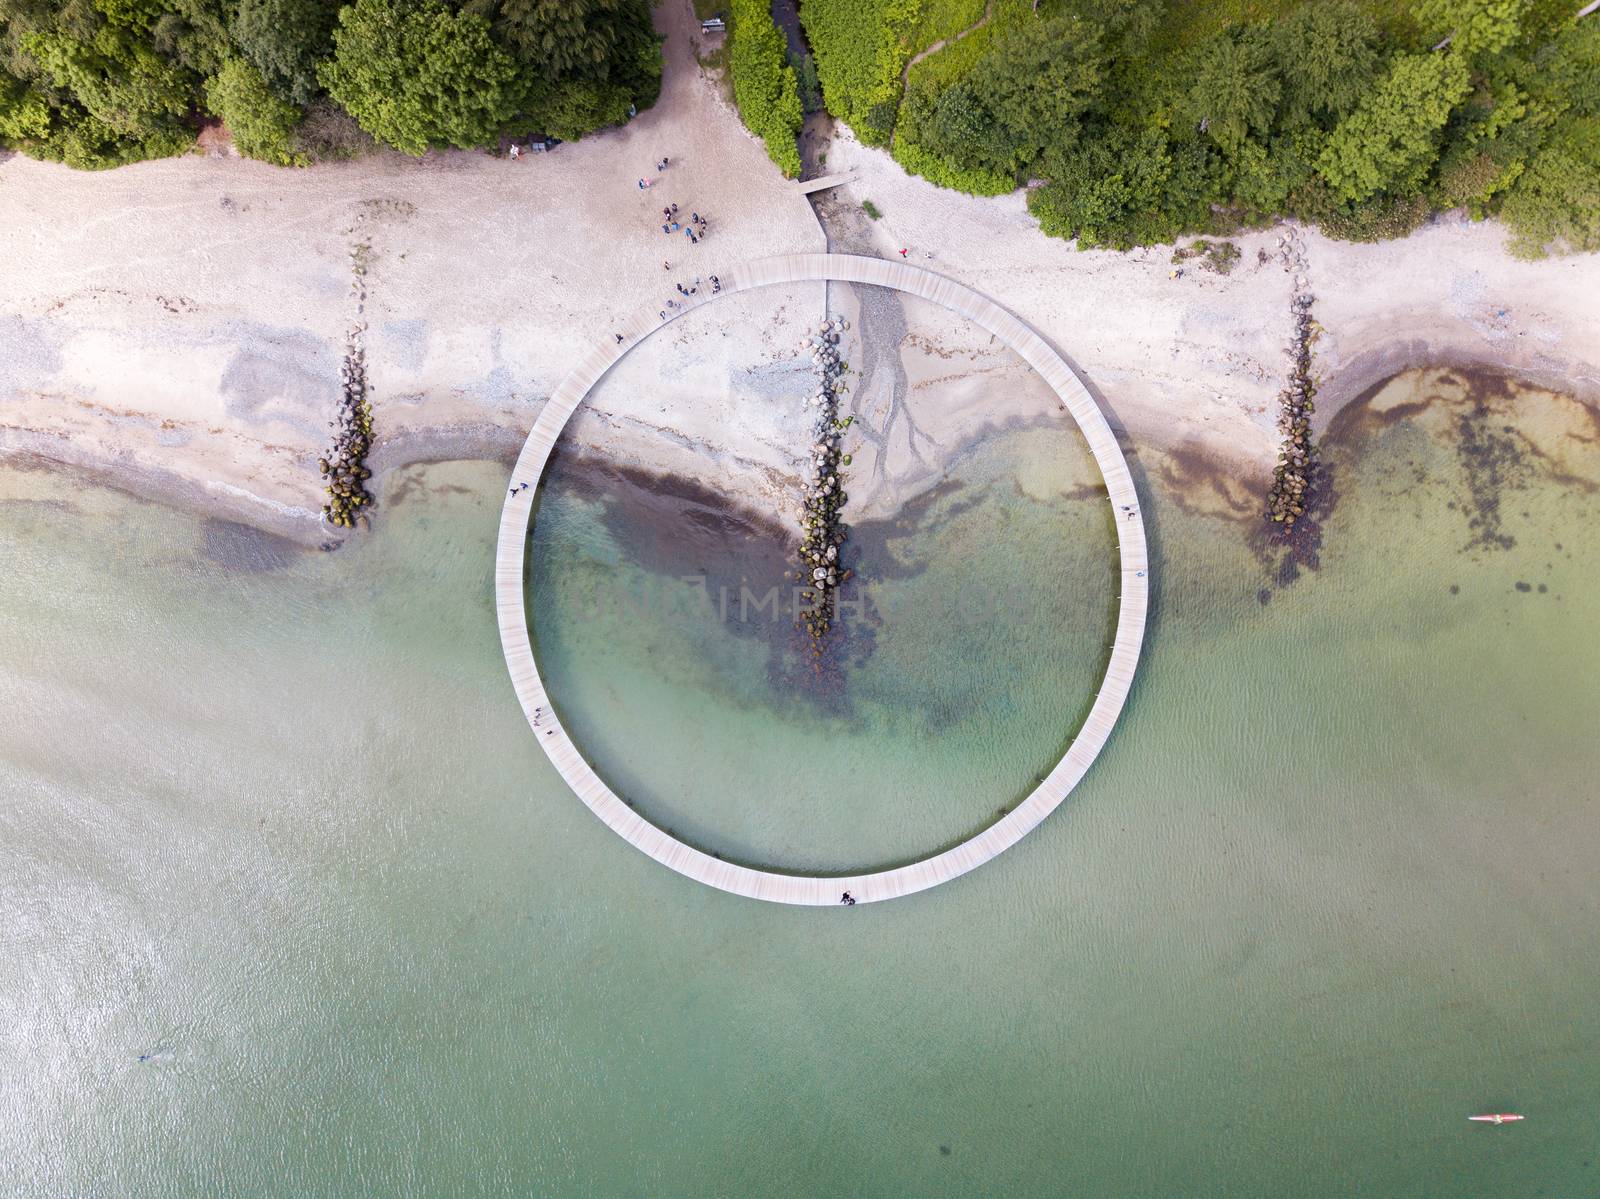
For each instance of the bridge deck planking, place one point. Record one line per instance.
(822, 183)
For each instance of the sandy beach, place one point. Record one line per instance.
(175, 326)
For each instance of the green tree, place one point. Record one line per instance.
(960, 127)
(416, 75)
(571, 39)
(284, 40)
(1093, 196)
(1038, 82)
(1392, 139)
(24, 113)
(1128, 188)
(861, 49)
(571, 109)
(262, 125)
(764, 87)
(1327, 54)
(1030, 91)
(583, 63)
(1565, 71)
(192, 34)
(1266, 176)
(117, 79)
(1488, 142)
(1235, 88)
(97, 89)
(1474, 27)
(1556, 200)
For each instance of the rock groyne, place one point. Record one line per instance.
(1294, 477)
(345, 466)
(822, 529)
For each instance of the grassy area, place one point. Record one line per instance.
(955, 60)
(706, 9)
(1190, 22)
(942, 19)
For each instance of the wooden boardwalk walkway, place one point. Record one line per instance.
(823, 183)
(772, 885)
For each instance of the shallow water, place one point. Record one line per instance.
(949, 687)
(276, 826)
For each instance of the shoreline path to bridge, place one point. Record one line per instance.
(774, 885)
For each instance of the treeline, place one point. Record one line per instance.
(1137, 121)
(764, 86)
(97, 83)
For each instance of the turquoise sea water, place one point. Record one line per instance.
(275, 825)
(951, 685)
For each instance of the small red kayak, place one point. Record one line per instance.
(1496, 1118)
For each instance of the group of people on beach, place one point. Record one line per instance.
(697, 226)
(685, 292)
(694, 230)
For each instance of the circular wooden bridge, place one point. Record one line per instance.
(773, 885)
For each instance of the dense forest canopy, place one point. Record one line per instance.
(1137, 121)
(1129, 121)
(95, 83)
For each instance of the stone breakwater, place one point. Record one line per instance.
(345, 466)
(1294, 477)
(822, 530)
